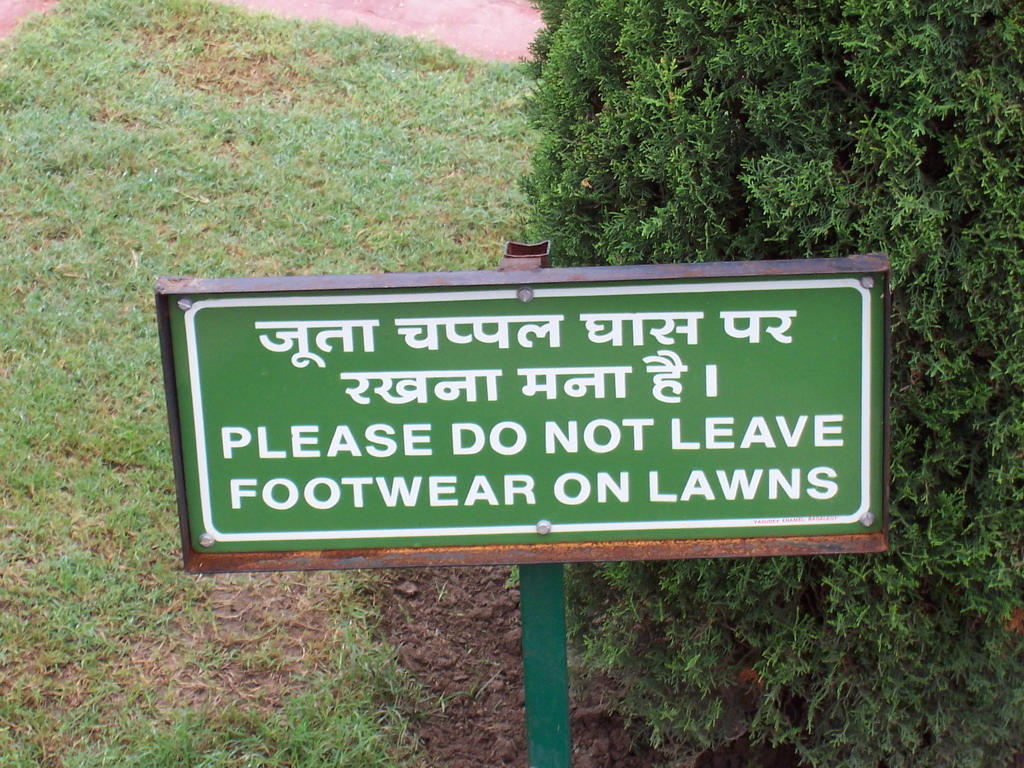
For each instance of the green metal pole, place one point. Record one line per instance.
(542, 606)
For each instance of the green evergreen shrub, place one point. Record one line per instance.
(676, 130)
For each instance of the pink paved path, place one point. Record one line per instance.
(13, 11)
(499, 30)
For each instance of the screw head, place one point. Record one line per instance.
(867, 281)
(185, 304)
(544, 527)
(525, 294)
(867, 519)
(207, 540)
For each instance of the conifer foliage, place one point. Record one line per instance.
(700, 130)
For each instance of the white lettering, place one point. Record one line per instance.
(711, 380)
(301, 438)
(752, 329)
(638, 426)
(381, 445)
(747, 484)
(519, 441)
(715, 428)
(291, 490)
(506, 438)
(519, 485)
(608, 327)
(791, 437)
(667, 368)
(480, 490)
(325, 493)
(579, 382)
(777, 480)
(423, 333)
(739, 482)
(582, 493)
(757, 432)
(459, 447)
(825, 426)
(264, 450)
(570, 441)
(655, 493)
(414, 436)
(242, 488)
(697, 485)
(357, 484)
(343, 441)
(291, 334)
(333, 493)
(677, 438)
(567, 437)
(234, 437)
(822, 479)
(399, 488)
(606, 484)
(439, 487)
(400, 387)
(590, 436)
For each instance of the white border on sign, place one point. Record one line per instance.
(510, 294)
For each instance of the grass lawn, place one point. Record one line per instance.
(176, 137)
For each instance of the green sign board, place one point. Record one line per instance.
(540, 412)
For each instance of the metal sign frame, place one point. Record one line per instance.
(873, 270)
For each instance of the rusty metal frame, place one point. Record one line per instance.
(522, 265)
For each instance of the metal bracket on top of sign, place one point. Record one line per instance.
(525, 256)
(529, 414)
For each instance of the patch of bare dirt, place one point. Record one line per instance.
(458, 631)
(740, 754)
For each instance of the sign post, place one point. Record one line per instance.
(545, 666)
(530, 416)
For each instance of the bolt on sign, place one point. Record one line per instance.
(539, 415)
